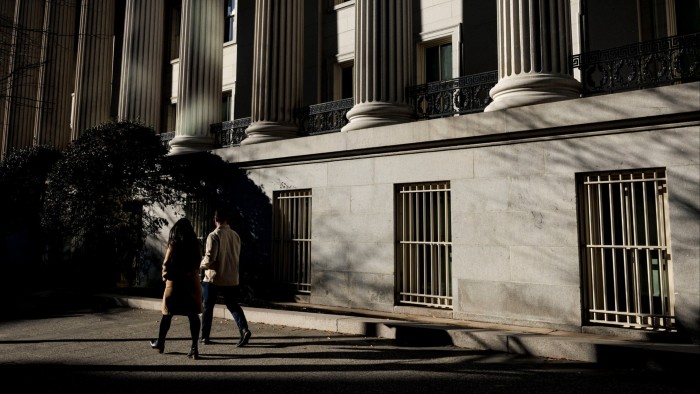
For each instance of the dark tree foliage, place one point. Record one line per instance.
(103, 198)
(23, 174)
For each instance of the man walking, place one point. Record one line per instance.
(220, 265)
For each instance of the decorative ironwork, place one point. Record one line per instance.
(166, 137)
(230, 133)
(665, 61)
(461, 95)
(324, 118)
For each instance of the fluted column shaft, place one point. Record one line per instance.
(20, 103)
(142, 62)
(277, 70)
(93, 79)
(200, 78)
(383, 63)
(7, 12)
(56, 75)
(534, 52)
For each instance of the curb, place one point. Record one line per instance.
(553, 345)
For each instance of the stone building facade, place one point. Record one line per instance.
(531, 162)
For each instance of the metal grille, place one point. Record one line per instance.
(627, 259)
(424, 245)
(200, 213)
(291, 251)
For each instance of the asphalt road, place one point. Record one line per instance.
(102, 349)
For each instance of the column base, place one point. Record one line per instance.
(522, 90)
(190, 144)
(265, 131)
(376, 114)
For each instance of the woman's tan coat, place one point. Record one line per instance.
(183, 291)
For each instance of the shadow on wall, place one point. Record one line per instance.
(655, 145)
(213, 183)
(209, 183)
(253, 222)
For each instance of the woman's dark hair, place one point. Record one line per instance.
(182, 231)
(186, 249)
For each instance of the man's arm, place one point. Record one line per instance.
(212, 250)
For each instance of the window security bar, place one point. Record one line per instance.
(627, 259)
(291, 251)
(424, 245)
(200, 213)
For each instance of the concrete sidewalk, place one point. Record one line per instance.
(424, 331)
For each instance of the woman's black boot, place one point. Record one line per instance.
(162, 332)
(158, 344)
(194, 353)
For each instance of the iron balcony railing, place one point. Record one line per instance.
(647, 64)
(457, 96)
(324, 118)
(229, 133)
(316, 119)
(445, 98)
(654, 63)
(166, 137)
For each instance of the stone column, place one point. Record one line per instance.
(7, 12)
(277, 70)
(200, 78)
(534, 54)
(56, 75)
(142, 62)
(383, 64)
(20, 103)
(93, 78)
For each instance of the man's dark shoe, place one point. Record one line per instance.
(158, 345)
(245, 337)
(205, 341)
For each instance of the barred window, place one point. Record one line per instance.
(424, 244)
(625, 246)
(291, 246)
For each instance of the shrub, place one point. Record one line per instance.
(23, 174)
(101, 199)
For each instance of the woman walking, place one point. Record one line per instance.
(183, 291)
